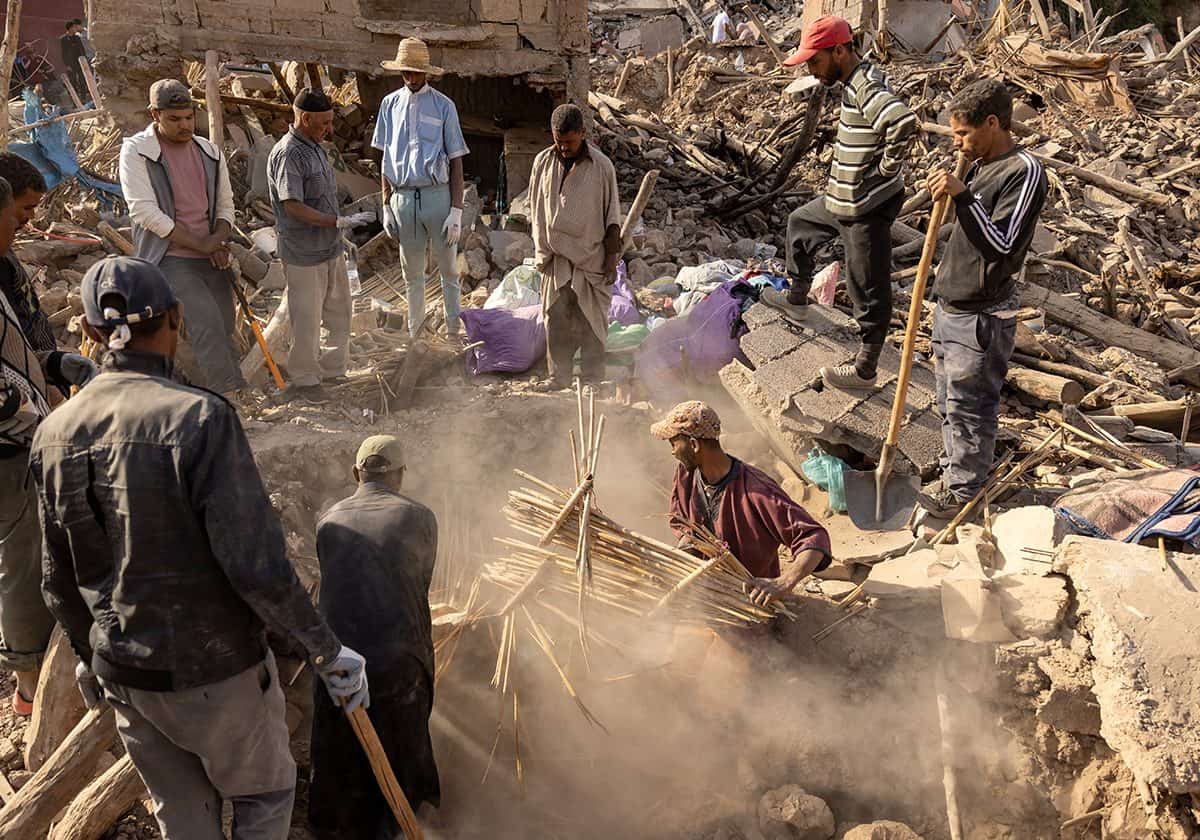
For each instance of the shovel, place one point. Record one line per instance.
(898, 502)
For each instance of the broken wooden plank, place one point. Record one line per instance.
(216, 113)
(98, 806)
(1045, 386)
(58, 705)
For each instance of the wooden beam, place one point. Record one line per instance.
(639, 204)
(212, 90)
(285, 90)
(314, 75)
(8, 54)
(1039, 14)
(57, 705)
(766, 35)
(1045, 386)
(66, 81)
(74, 115)
(90, 78)
(265, 104)
(98, 806)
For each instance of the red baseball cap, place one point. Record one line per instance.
(824, 32)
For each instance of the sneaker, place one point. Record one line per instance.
(340, 379)
(940, 502)
(846, 377)
(307, 393)
(20, 706)
(776, 299)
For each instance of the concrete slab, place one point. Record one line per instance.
(1145, 623)
(1032, 527)
(786, 390)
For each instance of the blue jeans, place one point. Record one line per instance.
(420, 214)
(971, 352)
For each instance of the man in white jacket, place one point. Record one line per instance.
(177, 188)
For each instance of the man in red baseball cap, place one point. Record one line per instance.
(862, 199)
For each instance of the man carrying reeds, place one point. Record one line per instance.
(742, 505)
(377, 551)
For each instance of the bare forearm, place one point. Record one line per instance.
(223, 230)
(301, 212)
(385, 188)
(456, 183)
(802, 566)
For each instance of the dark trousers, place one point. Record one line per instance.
(971, 354)
(567, 330)
(344, 800)
(867, 242)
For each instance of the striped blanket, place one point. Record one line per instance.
(1136, 506)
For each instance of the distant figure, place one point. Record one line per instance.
(722, 23)
(576, 216)
(72, 46)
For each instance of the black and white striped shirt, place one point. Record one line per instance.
(875, 130)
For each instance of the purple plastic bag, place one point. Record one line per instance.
(623, 309)
(514, 339)
(702, 340)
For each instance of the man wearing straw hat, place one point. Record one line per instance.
(377, 551)
(742, 505)
(422, 179)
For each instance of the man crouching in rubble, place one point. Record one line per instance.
(163, 562)
(377, 550)
(742, 505)
(975, 323)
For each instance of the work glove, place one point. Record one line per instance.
(355, 220)
(76, 369)
(453, 226)
(89, 686)
(345, 678)
(390, 226)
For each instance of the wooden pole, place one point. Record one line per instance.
(623, 78)
(62, 77)
(360, 722)
(212, 104)
(670, 73)
(57, 706)
(285, 89)
(639, 204)
(8, 54)
(314, 75)
(100, 804)
(949, 782)
(74, 115)
(766, 36)
(90, 78)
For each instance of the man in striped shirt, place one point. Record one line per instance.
(862, 199)
(975, 324)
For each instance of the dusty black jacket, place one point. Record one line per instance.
(377, 550)
(997, 214)
(163, 558)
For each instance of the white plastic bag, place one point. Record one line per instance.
(520, 287)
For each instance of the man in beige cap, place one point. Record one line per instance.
(742, 505)
(422, 179)
(376, 550)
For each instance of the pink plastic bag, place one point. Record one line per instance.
(824, 286)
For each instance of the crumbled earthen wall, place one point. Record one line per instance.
(541, 43)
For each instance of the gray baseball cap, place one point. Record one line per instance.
(170, 93)
(140, 284)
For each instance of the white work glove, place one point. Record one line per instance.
(89, 686)
(453, 226)
(356, 220)
(76, 369)
(345, 678)
(390, 226)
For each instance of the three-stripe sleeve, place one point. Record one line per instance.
(997, 233)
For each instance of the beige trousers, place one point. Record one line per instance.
(318, 295)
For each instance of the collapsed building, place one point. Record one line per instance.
(508, 62)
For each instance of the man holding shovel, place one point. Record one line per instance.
(974, 324)
(861, 201)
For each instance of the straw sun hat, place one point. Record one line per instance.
(412, 55)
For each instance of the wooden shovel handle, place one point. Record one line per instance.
(941, 209)
(392, 792)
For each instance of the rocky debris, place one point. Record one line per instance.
(882, 830)
(790, 813)
(1143, 617)
(1069, 704)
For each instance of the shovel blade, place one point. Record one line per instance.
(899, 497)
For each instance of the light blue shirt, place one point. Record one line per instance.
(419, 135)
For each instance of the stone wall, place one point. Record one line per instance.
(541, 43)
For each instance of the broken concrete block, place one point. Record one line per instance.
(478, 267)
(1032, 527)
(882, 830)
(502, 240)
(1032, 605)
(1145, 622)
(744, 249)
(629, 39)
(790, 813)
(1070, 704)
(660, 33)
(50, 251)
(640, 273)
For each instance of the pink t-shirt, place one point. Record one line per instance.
(186, 171)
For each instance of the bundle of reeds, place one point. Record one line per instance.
(630, 573)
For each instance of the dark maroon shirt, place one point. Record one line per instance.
(753, 517)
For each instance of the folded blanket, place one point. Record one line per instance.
(1136, 506)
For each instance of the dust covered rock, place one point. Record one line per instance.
(790, 813)
(882, 830)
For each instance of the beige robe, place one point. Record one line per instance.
(570, 218)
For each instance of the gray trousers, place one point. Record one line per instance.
(971, 354)
(197, 747)
(209, 316)
(567, 331)
(318, 295)
(25, 623)
(420, 213)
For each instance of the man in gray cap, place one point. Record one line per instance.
(377, 551)
(177, 188)
(304, 196)
(164, 562)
